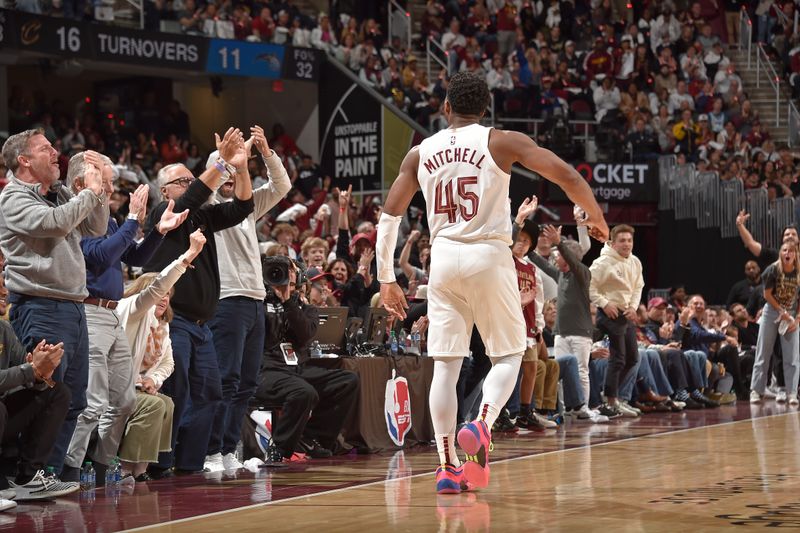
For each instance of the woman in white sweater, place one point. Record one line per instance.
(145, 315)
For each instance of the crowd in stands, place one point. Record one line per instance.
(161, 246)
(176, 310)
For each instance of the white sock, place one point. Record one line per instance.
(498, 386)
(443, 404)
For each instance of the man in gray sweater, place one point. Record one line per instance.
(573, 319)
(41, 225)
(238, 324)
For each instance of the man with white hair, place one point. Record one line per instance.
(196, 379)
(111, 396)
(573, 316)
(41, 225)
(239, 322)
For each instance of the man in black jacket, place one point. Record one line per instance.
(287, 379)
(196, 377)
(32, 409)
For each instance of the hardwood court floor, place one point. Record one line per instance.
(703, 470)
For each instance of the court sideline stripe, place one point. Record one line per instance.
(510, 459)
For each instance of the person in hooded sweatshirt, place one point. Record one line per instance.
(616, 289)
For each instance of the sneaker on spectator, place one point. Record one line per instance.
(628, 411)
(754, 397)
(476, 441)
(595, 417)
(213, 463)
(610, 411)
(44, 486)
(504, 424)
(780, 396)
(675, 406)
(274, 457)
(770, 392)
(727, 398)
(230, 462)
(5, 505)
(543, 420)
(8, 494)
(313, 449)
(531, 422)
(793, 399)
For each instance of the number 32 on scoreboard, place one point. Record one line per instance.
(467, 207)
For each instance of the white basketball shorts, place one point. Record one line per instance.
(473, 284)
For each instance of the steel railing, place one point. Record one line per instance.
(431, 48)
(392, 8)
(793, 122)
(715, 203)
(745, 34)
(762, 60)
(585, 125)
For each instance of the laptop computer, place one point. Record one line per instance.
(377, 323)
(331, 329)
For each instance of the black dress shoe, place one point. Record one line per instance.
(144, 476)
(157, 473)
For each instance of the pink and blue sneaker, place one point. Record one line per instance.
(476, 441)
(450, 480)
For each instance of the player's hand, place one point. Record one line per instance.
(149, 386)
(598, 228)
(611, 311)
(630, 313)
(229, 144)
(170, 219)
(552, 234)
(742, 217)
(526, 296)
(394, 300)
(579, 214)
(138, 203)
(344, 197)
(258, 138)
(526, 209)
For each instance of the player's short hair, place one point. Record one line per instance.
(621, 228)
(468, 93)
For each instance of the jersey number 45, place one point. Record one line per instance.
(467, 206)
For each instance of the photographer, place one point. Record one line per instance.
(287, 378)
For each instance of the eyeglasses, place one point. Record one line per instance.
(181, 182)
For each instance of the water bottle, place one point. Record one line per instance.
(393, 343)
(240, 451)
(316, 349)
(415, 342)
(88, 477)
(606, 342)
(360, 337)
(113, 473)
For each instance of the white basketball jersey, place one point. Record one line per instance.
(465, 191)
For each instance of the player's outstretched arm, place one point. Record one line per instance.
(514, 147)
(400, 195)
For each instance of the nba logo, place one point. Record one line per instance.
(263, 420)
(453, 139)
(397, 409)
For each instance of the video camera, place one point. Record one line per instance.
(276, 271)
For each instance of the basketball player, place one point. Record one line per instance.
(464, 174)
